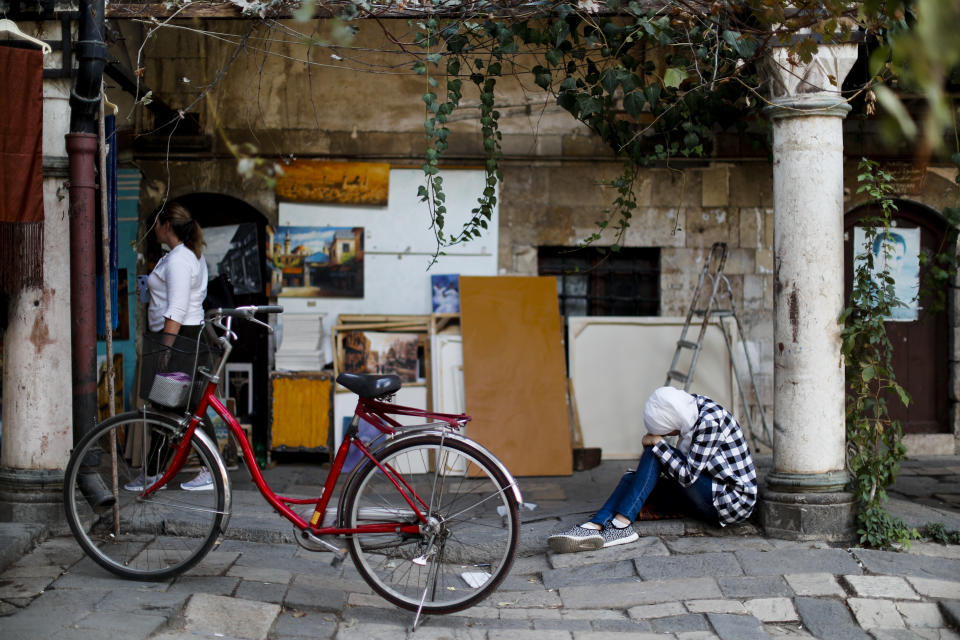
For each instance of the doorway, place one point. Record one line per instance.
(921, 345)
(235, 233)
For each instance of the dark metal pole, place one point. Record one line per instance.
(91, 53)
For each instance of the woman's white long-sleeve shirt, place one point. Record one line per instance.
(178, 285)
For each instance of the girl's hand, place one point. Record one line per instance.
(650, 439)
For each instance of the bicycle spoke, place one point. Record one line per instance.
(150, 537)
(464, 529)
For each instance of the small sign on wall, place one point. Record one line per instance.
(335, 182)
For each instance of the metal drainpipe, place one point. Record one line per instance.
(91, 52)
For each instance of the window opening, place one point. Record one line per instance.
(621, 283)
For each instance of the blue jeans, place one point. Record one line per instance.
(636, 487)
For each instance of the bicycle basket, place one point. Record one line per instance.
(170, 389)
(170, 371)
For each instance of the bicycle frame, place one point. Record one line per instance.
(373, 411)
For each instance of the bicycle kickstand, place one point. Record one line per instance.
(339, 554)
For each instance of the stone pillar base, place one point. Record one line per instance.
(33, 495)
(828, 517)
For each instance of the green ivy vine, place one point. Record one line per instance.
(436, 132)
(600, 69)
(874, 439)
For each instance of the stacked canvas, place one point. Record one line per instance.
(300, 343)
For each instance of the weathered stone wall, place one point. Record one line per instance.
(681, 211)
(274, 105)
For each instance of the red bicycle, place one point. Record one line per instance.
(430, 517)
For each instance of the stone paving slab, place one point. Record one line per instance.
(893, 587)
(814, 584)
(901, 564)
(873, 613)
(616, 597)
(934, 588)
(754, 586)
(935, 549)
(921, 614)
(951, 612)
(683, 623)
(772, 609)
(703, 544)
(648, 611)
(16, 538)
(783, 561)
(737, 627)
(698, 565)
(828, 618)
(715, 606)
(914, 634)
(598, 573)
(51, 615)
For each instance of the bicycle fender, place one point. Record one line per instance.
(221, 470)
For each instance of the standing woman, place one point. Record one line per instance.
(177, 286)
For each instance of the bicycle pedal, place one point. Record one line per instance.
(338, 558)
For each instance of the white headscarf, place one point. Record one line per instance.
(670, 409)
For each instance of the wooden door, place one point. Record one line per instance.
(921, 347)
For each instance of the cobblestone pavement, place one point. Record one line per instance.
(680, 580)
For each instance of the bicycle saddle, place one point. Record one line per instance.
(367, 385)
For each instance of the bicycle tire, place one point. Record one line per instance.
(161, 535)
(475, 542)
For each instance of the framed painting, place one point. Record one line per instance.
(319, 262)
(382, 352)
(446, 293)
(234, 250)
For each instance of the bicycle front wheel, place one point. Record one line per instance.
(135, 536)
(466, 547)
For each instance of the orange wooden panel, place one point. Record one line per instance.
(337, 182)
(301, 409)
(514, 372)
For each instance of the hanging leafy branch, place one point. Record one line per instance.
(604, 72)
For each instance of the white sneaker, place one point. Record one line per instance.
(137, 483)
(203, 482)
(576, 538)
(612, 536)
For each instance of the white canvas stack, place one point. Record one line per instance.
(300, 343)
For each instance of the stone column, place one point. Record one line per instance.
(37, 396)
(804, 497)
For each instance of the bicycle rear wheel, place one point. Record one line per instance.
(467, 547)
(143, 538)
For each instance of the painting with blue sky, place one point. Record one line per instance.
(319, 261)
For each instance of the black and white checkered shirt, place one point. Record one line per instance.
(719, 448)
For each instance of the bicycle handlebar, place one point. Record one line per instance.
(214, 320)
(245, 312)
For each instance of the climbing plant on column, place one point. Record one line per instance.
(874, 439)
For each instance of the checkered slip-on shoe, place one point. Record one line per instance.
(613, 536)
(576, 538)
